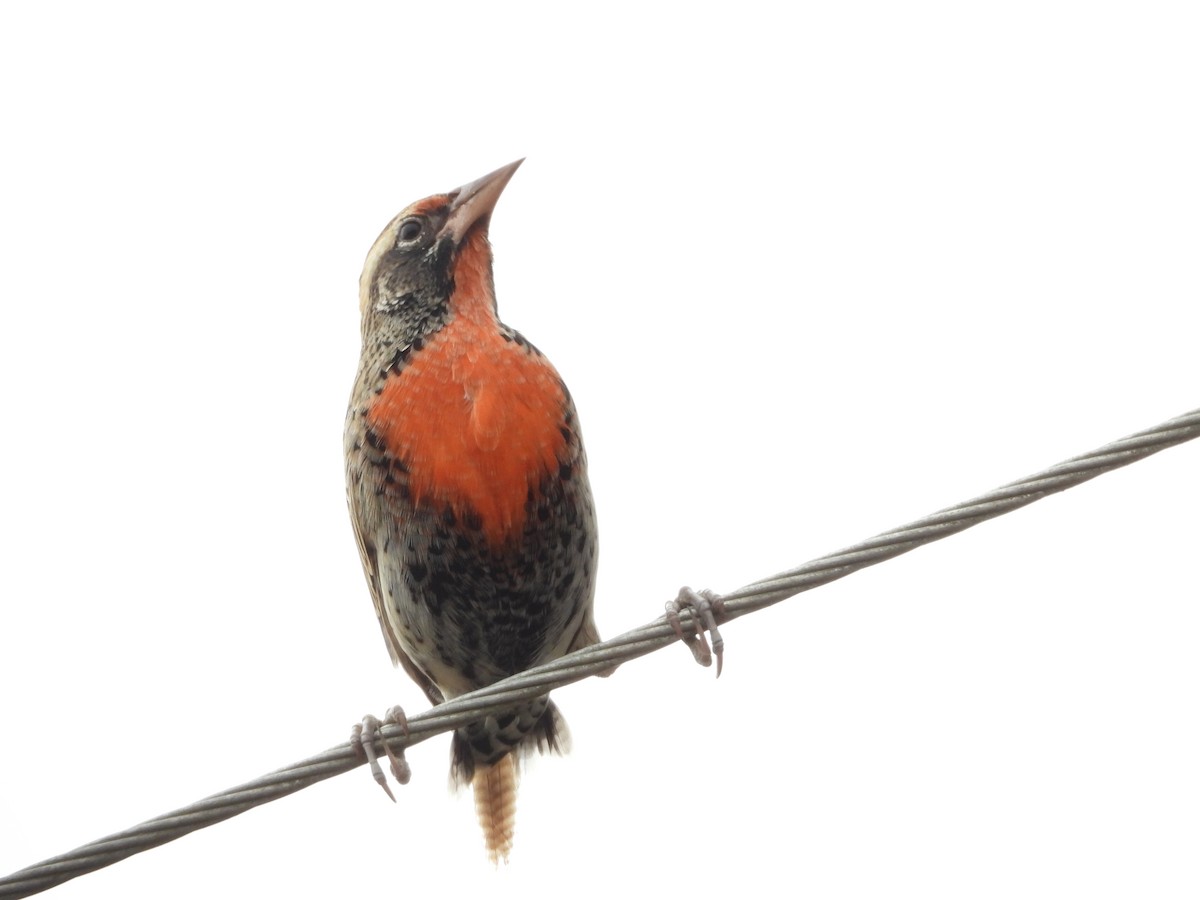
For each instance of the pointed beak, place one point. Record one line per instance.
(475, 201)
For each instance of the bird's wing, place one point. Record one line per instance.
(370, 563)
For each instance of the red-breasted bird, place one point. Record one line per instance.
(468, 488)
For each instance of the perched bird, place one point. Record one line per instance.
(468, 489)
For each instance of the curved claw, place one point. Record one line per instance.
(362, 738)
(705, 607)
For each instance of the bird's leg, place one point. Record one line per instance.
(705, 607)
(362, 738)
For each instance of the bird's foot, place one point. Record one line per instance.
(706, 608)
(362, 739)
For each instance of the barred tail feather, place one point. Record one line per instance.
(485, 755)
(496, 805)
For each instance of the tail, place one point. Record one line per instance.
(496, 806)
(485, 755)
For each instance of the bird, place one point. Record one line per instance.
(468, 491)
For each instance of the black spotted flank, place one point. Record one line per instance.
(511, 334)
(566, 471)
(470, 639)
(396, 363)
(441, 589)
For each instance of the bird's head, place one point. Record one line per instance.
(433, 259)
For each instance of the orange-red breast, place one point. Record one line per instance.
(468, 487)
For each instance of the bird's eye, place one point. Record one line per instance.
(410, 230)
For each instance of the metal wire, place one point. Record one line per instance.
(601, 657)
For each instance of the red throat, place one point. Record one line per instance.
(474, 295)
(475, 417)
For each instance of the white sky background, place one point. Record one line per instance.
(809, 275)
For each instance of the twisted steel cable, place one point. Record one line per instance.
(601, 657)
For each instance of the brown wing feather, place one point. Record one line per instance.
(370, 564)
